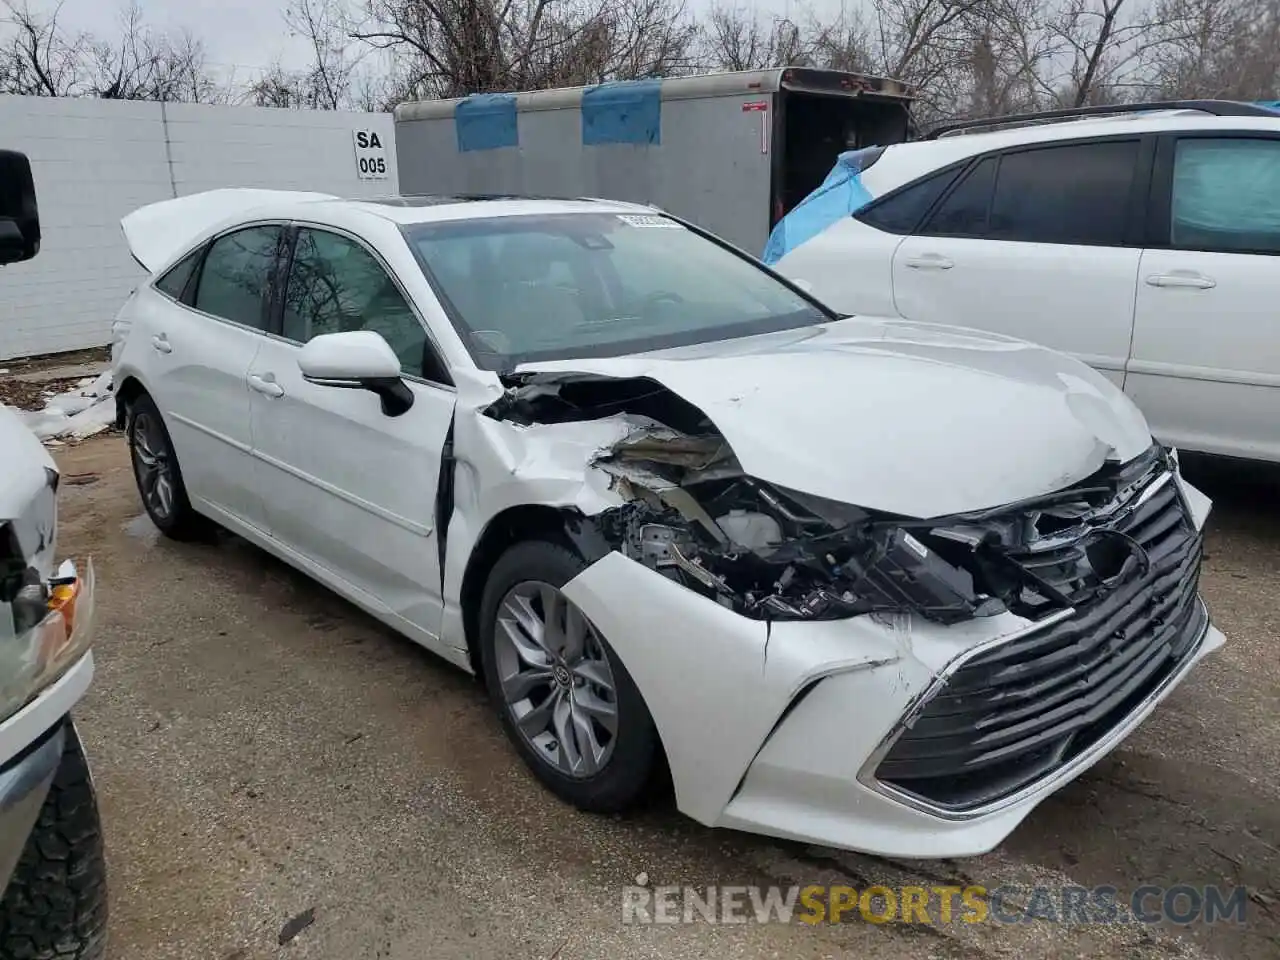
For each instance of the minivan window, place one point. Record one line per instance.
(570, 285)
(902, 212)
(235, 281)
(1075, 193)
(964, 212)
(1226, 195)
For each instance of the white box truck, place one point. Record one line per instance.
(731, 152)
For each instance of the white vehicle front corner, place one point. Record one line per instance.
(777, 728)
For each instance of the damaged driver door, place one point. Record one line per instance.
(350, 486)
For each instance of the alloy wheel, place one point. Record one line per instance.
(556, 681)
(153, 465)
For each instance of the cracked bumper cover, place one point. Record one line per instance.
(773, 728)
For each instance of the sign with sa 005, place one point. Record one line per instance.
(371, 156)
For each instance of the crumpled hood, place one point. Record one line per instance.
(915, 419)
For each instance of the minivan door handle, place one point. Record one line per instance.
(266, 385)
(929, 261)
(1196, 281)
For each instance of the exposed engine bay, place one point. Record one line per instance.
(770, 553)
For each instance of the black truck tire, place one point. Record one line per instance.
(55, 907)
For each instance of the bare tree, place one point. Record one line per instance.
(144, 65)
(964, 57)
(734, 38)
(1215, 48)
(40, 58)
(334, 60)
(455, 47)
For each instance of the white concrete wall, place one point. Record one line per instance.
(96, 160)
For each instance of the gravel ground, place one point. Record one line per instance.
(265, 754)
(16, 391)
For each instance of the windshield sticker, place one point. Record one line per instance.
(648, 220)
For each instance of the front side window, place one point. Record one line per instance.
(1077, 194)
(559, 286)
(1226, 195)
(235, 281)
(335, 285)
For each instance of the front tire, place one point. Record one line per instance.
(157, 474)
(563, 696)
(56, 901)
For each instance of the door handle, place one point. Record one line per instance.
(161, 343)
(266, 385)
(1194, 281)
(929, 261)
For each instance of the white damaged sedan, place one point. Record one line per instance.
(863, 583)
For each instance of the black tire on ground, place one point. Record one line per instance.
(182, 522)
(636, 756)
(55, 907)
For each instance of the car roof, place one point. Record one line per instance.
(904, 162)
(406, 210)
(161, 231)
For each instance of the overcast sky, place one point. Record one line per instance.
(240, 35)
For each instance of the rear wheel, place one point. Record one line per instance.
(564, 698)
(56, 903)
(156, 471)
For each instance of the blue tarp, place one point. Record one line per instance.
(841, 194)
(623, 111)
(486, 121)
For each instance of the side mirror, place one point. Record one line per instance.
(357, 360)
(19, 219)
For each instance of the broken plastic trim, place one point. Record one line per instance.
(692, 514)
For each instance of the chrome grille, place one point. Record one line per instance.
(1021, 709)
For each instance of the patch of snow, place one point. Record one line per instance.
(86, 409)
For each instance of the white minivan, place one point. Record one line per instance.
(1143, 242)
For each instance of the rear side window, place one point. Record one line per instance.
(1078, 194)
(964, 212)
(235, 283)
(902, 212)
(175, 279)
(1226, 195)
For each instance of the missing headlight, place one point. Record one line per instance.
(760, 551)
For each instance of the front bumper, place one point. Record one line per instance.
(800, 785)
(779, 728)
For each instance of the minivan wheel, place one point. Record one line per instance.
(157, 474)
(56, 901)
(563, 697)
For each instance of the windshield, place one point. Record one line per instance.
(560, 286)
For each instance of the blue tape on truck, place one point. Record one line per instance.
(624, 111)
(486, 121)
